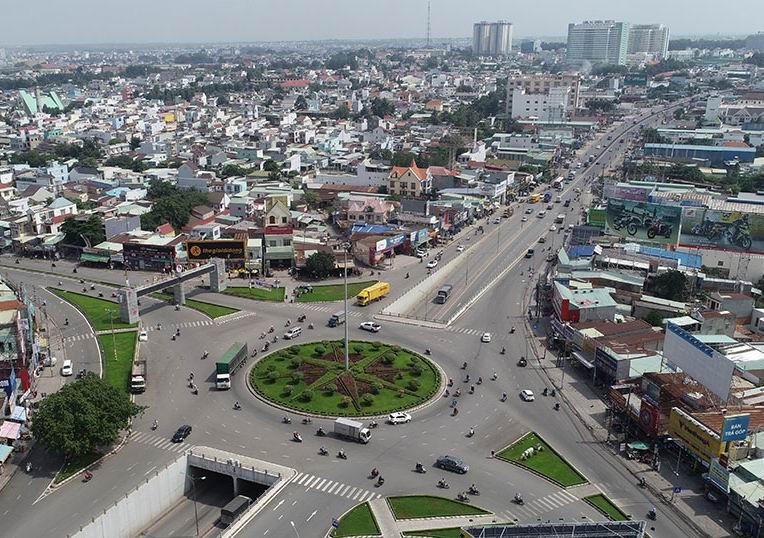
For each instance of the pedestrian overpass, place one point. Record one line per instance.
(128, 297)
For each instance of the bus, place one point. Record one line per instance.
(558, 183)
(443, 294)
(534, 198)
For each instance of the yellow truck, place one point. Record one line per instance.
(375, 292)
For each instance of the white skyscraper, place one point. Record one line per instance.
(598, 42)
(492, 38)
(648, 39)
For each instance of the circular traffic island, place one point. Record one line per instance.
(311, 378)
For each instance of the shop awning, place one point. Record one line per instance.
(96, 258)
(10, 430)
(583, 360)
(639, 445)
(19, 414)
(5, 453)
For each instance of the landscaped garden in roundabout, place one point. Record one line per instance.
(311, 378)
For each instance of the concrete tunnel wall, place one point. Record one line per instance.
(137, 509)
(424, 290)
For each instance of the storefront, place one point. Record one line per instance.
(146, 257)
(697, 440)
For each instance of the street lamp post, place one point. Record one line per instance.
(345, 247)
(113, 337)
(294, 529)
(193, 488)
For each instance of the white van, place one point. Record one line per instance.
(66, 368)
(294, 332)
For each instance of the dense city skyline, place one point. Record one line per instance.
(88, 22)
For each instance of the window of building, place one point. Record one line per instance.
(287, 242)
(720, 263)
(272, 220)
(283, 220)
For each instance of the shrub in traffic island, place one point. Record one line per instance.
(296, 378)
(272, 376)
(307, 395)
(319, 351)
(413, 385)
(388, 358)
(287, 390)
(329, 389)
(375, 388)
(345, 402)
(294, 364)
(367, 400)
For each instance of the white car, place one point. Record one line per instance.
(143, 336)
(432, 264)
(399, 418)
(527, 395)
(497, 220)
(294, 332)
(486, 337)
(460, 248)
(370, 326)
(553, 228)
(525, 219)
(67, 368)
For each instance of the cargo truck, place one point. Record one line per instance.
(350, 429)
(228, 364)
(338, 318)
(373, 293)
(138, 376)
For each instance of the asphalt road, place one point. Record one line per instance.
(325, 486)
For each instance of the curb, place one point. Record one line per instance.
(328, 533)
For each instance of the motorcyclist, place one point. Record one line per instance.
(322, 450)
(155, 425)
(503, 396)
(471, 432)
(237, 405)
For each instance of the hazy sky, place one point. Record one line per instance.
(141, 21)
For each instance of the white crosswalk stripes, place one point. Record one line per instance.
(325, 485)
(235, 317)
(543, 505)
(158, 442)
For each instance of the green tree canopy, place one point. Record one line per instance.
(310, 198)
(82, 416)
(671, 285)
(342, 112)
(88, 232)
(382, 107)
(320, 265)
(126, 162)
(171, 204)
(233, 170)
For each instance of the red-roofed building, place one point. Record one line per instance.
(409, 181)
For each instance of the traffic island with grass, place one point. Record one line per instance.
(453, 532)
(330, 292)
(358, 522)
(311, 378)
(103, 315)
(208, 309)
(534, 454)
(422, 506)
(607, 507)
(117, 352)
(256, 294)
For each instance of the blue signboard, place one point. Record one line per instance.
(735, 427)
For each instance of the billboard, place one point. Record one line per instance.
(596, 217)
(694, 436)
(642, 221)
(635, 193)
(735, 427)
(722, 230)
(221, 248)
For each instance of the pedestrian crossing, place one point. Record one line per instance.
(74, 338)
(330, 309)
(156, 441)
(331, 487)
(186, 325)
(538, 507)
(235, 317)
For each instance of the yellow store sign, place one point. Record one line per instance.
(694, 436)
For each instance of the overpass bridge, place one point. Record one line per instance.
(128, 297)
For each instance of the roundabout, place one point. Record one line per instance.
(311, 378)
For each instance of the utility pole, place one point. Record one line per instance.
(345, 247)
(113, 337)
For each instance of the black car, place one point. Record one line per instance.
(180, 435)
(452, 463)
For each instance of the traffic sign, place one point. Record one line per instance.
(677, 489)
(335, 523)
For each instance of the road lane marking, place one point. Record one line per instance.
(311, 516)
(279, 504)
(320, 484)
(329, 483)
(349, 495)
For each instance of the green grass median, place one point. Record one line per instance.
(547, 463)
(255, 294)
(333, 292)
(607, 507)
(75, 465)
(358, 522)
(421, 506)
(208, 309)
(102, 314)
(453, 532)
(117, 366)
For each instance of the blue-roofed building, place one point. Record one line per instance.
(714, 155)
(581, 251)
(687, 260)
(370, 229)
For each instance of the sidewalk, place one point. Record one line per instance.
(590, 408)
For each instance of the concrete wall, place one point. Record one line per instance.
(140, 507)
(424, 290)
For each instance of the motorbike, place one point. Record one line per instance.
(462, 497)
(155, 425)
(380, 481)
(266, 346)
(450, 382)
(512, 330)
(557, 406)
(503, 397)
(473, 490)
(427, 351)
(471, 432)
(545, 392)
(554, 392)
(320, 432)
(464, 366)
(307, 420)
(373, 424)
(205, 354)
(87, 476)
(503, 351)
(28, 467)
(286, 420)
(322, 451)
(275, 339)
(341, 455)
(518, 500)
(642, 482)
(472, 389)
(374, 472)
(262, 335)
(457, 392)
(310, 326)
(658, 227)
(442, 484)
(480, 381)
(271, 329)
(652, 514)
(420, 468)
(237, 406)
(297, 437)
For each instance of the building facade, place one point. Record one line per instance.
(550, 106)
(492, 38)
(603, 42)
(543, 84)
(650, 39)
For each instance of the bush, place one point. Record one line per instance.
(357, 349)
(399, 376)
(320, 351)
(376, 388)
(297, 377)
(307, 395)
(367, 400)
(270, 367)
(288, 390)
(413, 385)
(294, 364)
(272, 376)
(417, 370)
(330, 389)
(388, 358)
(345, 401)
(293, 351)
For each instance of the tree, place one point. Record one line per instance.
(651, 136)
(233, 170)
(671, 285)
(271, 166)
(88, 232)
(310, 198)
(654, 318)
(342, 112)
(320, 265)
(171, 205)
(82, 416)
(382, 107)
(300, 103)
(386, 154)
(135, 143)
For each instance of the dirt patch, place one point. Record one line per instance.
(383, 372)
(311, 372)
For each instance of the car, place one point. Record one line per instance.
(294, 332)
(67, 368)
(485, 337)
(549, 206)
(553, 228)
(398, 418)
(524, 219)
(542, 239)
(528, 210)
(143, 336)
(421, 253)
(529, 254)
(497, 220)
(452, 463)
(432, 264)
(527, 395)
(370, 326)
(181, 433)
(460, 248)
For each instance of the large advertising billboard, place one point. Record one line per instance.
(722, 230)
(642, 221)
(221, 248)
